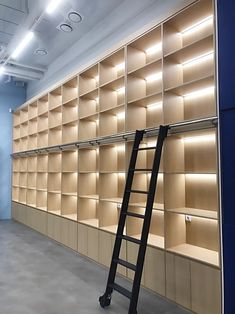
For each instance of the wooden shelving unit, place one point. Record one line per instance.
(164, 76)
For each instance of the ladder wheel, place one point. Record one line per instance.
(105, 300)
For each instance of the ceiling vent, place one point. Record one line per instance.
(74, 17)
(65, 27)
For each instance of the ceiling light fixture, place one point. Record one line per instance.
(52, 6)
(2, 70)
(74, 17)
(26, 40)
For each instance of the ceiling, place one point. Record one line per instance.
(18, 16)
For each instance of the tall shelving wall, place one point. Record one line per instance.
(73, 193)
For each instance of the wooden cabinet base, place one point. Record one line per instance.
(191, 284)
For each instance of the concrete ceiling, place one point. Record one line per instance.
(18, 16)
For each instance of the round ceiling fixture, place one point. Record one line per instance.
(66, 28)
(74, 17)
(41, 52)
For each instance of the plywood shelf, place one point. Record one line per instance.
(195, 212)
(88, 80)
(90, 196)
(112, 67)
(112, 121)
(89, 104)
(112, 94)
(90, 222)
(55, 98)
(198, 253)
(88, 127)
(144, 50)
(70, 90)
(70, 216)
(70, 111)
(43, 105)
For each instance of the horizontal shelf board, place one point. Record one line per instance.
(92, 196)
(69, 193)
(195, 212)
(42, 208)
(143, 101)
(112, 84)
(70, 216)
(112, 200)
(90, 117)
(198, 253)
(113, 109)
(187, 46)
(54, 192)
(156, 206)
(185, 87)
(90, 222)
(55, 212)
(41, 190)
(157, 60)
(64, 103)
(153, 240)
(88, 92)
(188, 51)
(90, 95)
(84, 172)
(72, 121)
(113, 172)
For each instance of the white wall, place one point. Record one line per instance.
(131, 17)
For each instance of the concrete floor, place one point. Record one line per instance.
(39, 276)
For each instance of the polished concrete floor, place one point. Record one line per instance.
(38, 276)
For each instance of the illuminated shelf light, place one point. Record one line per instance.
(156, 105)
(121, 115)
(97, 99)
(198, 26)
(121, 90)
(96, 78)
(199, 139)
(201, 176)
(120, 148)
(202, 58)
(200, 92)
(121, 175)
(153, 49)
(154, 77)
(120, 66)
(23, 44)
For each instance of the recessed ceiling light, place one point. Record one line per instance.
(41, 52)
(66, 28)
(74, 17)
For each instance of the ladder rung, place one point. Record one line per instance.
(145, 148)
(125, 264)
(138, 191)
(141, 169)
(130, 239)
(135, 215)
(121, 290)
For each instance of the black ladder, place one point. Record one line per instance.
(138, 268)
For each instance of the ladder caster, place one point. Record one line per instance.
(105, 300)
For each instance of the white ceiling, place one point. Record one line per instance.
(17, 16)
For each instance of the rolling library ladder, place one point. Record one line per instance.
(72, 145)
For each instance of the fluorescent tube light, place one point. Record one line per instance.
(29, 36)
(2, 70)
(156, 105)
(199, 139)
(154, 49)
(199, 59)
(120, 66)
(52, 6)
(121, 115)
(197, 26)
(154, 77)
(200, 92)
(121, 90)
